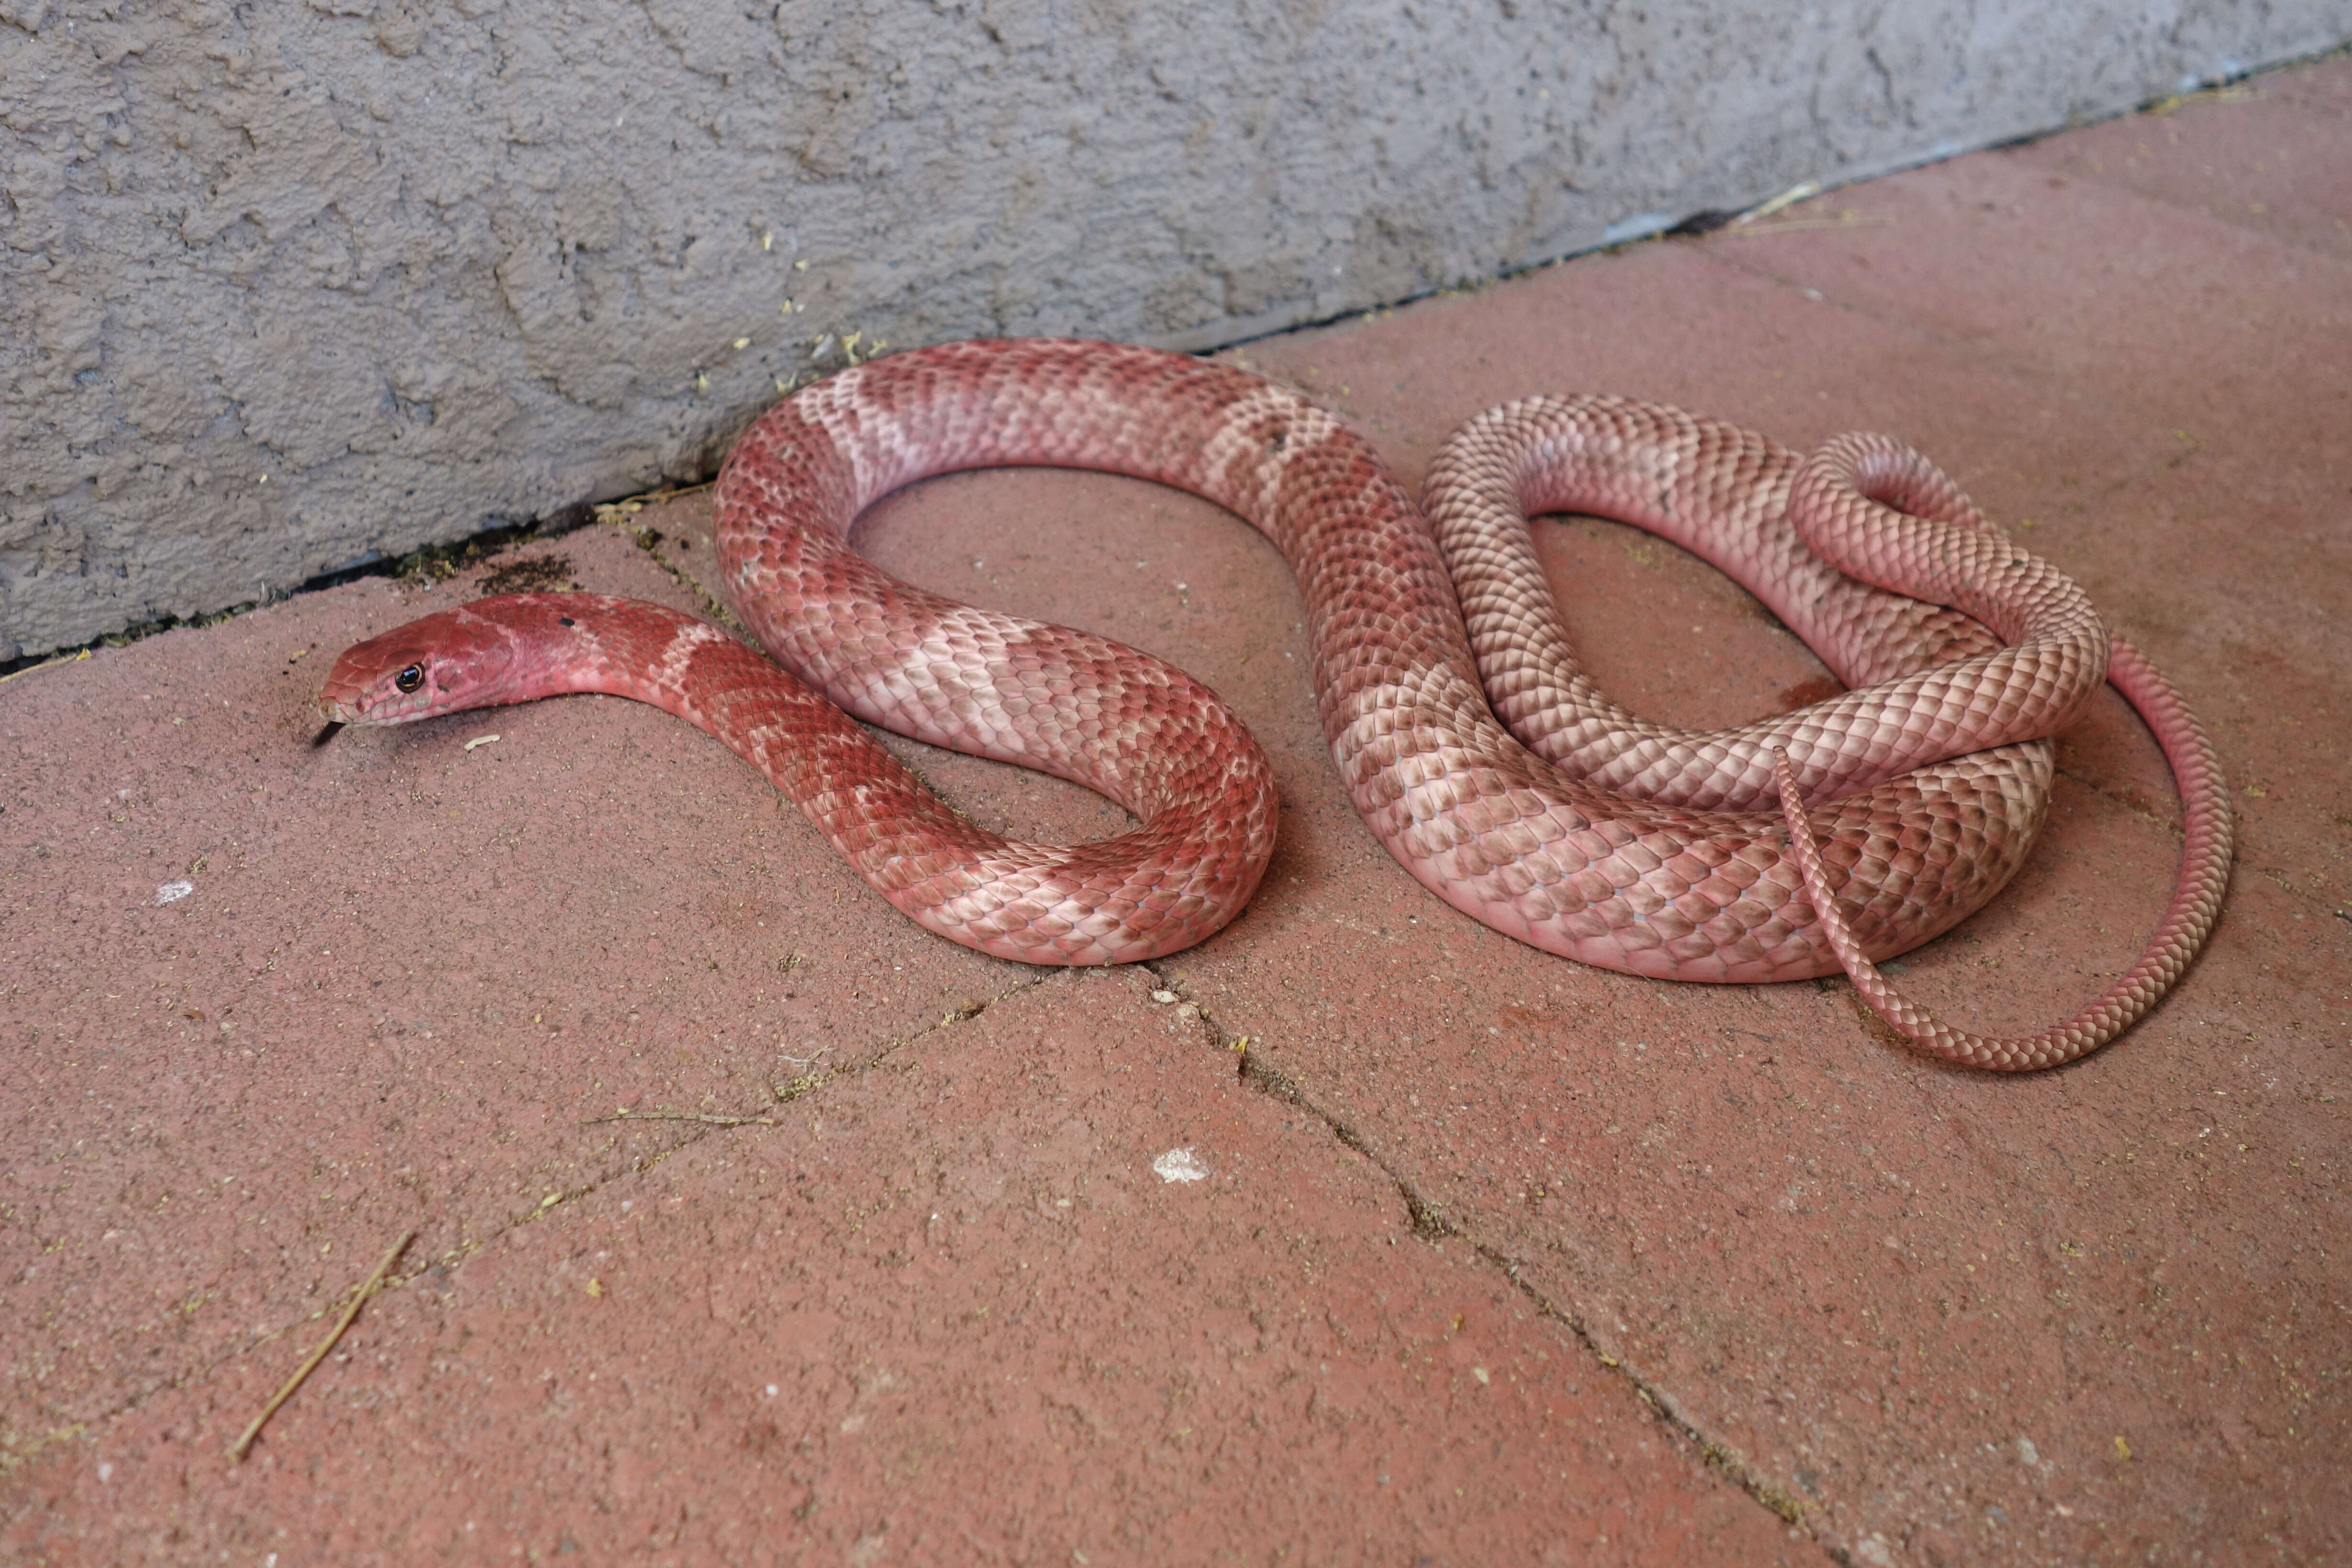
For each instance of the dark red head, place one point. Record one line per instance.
(505, 650)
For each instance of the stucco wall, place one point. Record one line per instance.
(284, 286)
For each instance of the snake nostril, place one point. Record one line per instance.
(410, 678)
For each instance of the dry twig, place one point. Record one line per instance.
(238, 1449)
(686, 1116)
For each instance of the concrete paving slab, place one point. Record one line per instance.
(273, 990)
(1960, 1320)
(1935, 1317)
(2241, 155)
(953, 1308)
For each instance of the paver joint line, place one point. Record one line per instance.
(1429, 1224)
(456, 1257)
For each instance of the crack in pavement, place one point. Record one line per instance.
(649, 539)
(1429, 1223)
(450, 1260)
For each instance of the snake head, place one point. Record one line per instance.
(458, 659)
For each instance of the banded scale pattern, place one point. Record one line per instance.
(1563, 822)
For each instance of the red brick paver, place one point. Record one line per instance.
(1495, 1259)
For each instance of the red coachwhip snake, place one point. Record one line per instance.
(1577, 828)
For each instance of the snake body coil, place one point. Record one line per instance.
(1468, 739)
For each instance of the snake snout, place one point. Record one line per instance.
(339, 704)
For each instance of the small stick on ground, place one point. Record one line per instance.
(238, 1451)
(707, 1120)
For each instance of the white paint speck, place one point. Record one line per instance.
(1180, 1165)
(106, 1472)
(771, 1391)
(172, 892)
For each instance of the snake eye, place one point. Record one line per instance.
(409, 679)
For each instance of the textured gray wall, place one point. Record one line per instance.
(283, 287)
